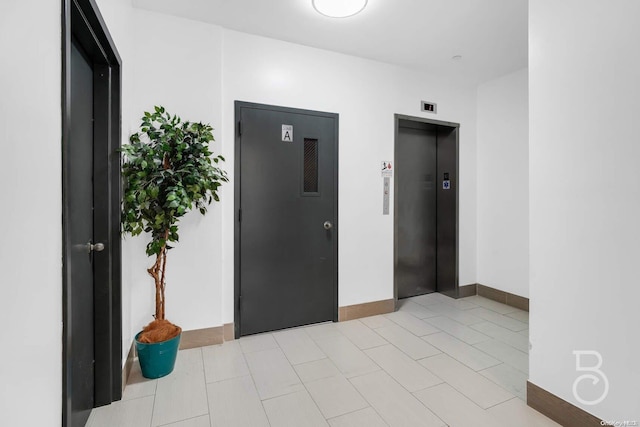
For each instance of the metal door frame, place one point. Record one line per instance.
(82, 21)
(453, 126)
(239, 105)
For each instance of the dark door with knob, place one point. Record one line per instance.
(92, 340)
(81, 255)
(286, 229)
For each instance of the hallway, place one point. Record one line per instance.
(435, 362)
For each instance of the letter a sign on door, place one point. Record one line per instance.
(287, 133)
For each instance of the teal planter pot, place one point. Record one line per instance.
(157, 359)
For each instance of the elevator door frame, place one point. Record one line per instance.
(455, 129)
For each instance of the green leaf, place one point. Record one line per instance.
(155, 198)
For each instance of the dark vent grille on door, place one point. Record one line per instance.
(310, 166)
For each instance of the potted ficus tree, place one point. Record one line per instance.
(168, 169)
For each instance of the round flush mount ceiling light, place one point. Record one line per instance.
(339, 8)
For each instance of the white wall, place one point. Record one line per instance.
(365, 94)
(197, 71)
(207, 70)
(584, 198)
(31, 249)
(175, 63)
(503, 183)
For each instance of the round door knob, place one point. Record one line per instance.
(327, 225)
(98, 247)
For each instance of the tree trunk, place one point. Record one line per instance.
(157, 271)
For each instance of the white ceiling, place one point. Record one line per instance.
(491, 35)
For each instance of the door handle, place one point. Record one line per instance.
(327, 225)
(98, 247)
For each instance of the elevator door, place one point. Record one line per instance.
(426, 229)
(416, 168)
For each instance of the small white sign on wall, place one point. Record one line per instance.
(287, 133)
(446, 184)
(387, 170)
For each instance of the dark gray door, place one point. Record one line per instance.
(416, 173)
(287, 228)
(91, 291)
(426, 208)
(80, 258)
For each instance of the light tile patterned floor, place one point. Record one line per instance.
(436, 362)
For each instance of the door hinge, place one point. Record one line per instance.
(239, 215)
(239, 128)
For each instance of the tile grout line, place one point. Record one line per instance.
(498, 339)
(460, 361)
(501, 403)
(462, 325)
(418, 363)
(443, 352)
(253, 381)
(357, 410)
(480, 332)
(402, 386)
(303, 384)
(130, 400)
(349, 379)
(206, 386)
(450, 305)
(470, 326)
(494, 323)
(467, 397)
(422, 320)
(404, 352)
(490, 338)
(153, 407)
(503, 361)
(496, 383)
(186, 419)
(498, 313)
(371, 329)
(393, 379)
(358, 391)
